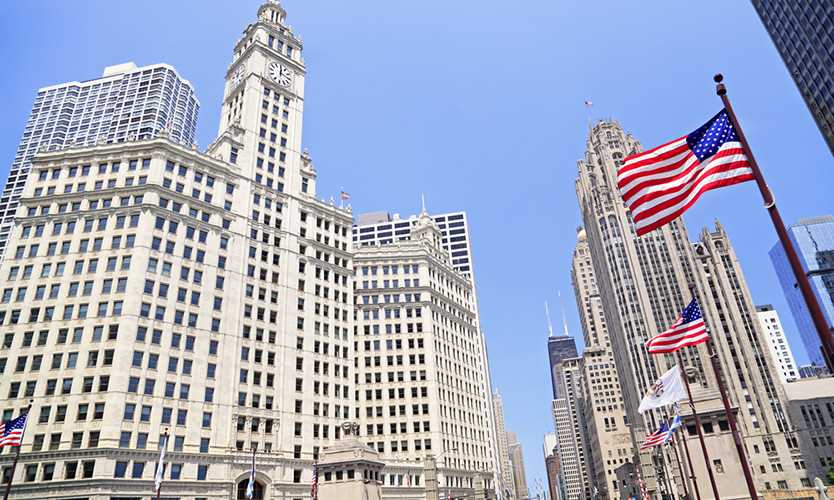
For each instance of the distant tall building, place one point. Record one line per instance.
(559, 349)
(125, 102)
(422, 376)
(571, 428)
(778, 343)
(381, 227)
(517, 461)
(803, 34)
(552, 467)
(609, 442)
(644, 284)
(813, 239)
(506, 478)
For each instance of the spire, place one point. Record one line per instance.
(549, 323)
(564, 316)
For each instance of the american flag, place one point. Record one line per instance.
(11, 432)
(344, 196)
(687, 331)
(658, 437)
(314, 483)
(660, 184)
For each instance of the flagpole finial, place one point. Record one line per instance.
(720, 89)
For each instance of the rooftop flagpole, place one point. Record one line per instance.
(802, 281)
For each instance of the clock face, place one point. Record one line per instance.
(238, 76)
(280, 74)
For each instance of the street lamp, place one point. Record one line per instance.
(435, 459)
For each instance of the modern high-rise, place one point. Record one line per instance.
(571, 428)
(608, 439)
(422, 385)
(154, 288)
(811, 406)
(777, 341)
(382, 227)
(813, 239)
(125, 103)
(559, 348)
(506, 484)
(644, 283)
(517, 461)
(803, 33)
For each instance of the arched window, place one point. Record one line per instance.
(241, 490)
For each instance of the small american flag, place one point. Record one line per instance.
(656, 438)
(660, 184)
(11, 432)
(344, 196)
(687, 331)
(314, 484)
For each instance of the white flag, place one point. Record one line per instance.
(667, 390)
(160, 466)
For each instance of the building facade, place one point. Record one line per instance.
(811, 406)
(777, 341)
(803, 33)
(517, 461)
(552, 467)
(206, 295)
(813, 239)
(422, 384)
(644, 283)
(381, 228)
(126, 102)
(571, 429)
(559, 348)
(506, 484)
(609, 441)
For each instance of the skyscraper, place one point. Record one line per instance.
(552, 466)
(517, 461)
(644, 284)
(421, 369)
(125, 102)
(559, 349)
(777, 341)
(571, 428)
(803, 33)
(381, 227)
(209, 295)
(813, 239)
(608, 441)
(507, 485)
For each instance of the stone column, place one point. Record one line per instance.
(431, 478)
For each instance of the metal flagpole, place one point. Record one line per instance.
(691, 469)
(700, 431)
(161, 466)
(17, 453)
(680, 467)
(770, 204)
(742, 455)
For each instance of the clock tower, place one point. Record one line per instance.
(263, 106)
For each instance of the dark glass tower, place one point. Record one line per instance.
(559, 349)
(803, 32)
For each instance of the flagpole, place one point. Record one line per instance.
(680, 467)
(700, 431)
(742, 455)
(691, 469)
(802, 281)
(17, 453)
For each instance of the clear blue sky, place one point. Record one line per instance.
(479, 104)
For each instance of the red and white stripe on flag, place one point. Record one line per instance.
(688, 330)
(660, 184)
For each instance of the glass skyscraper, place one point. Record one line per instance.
(814, 241)
(803, 32)
(125, 102)
(559, 348)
